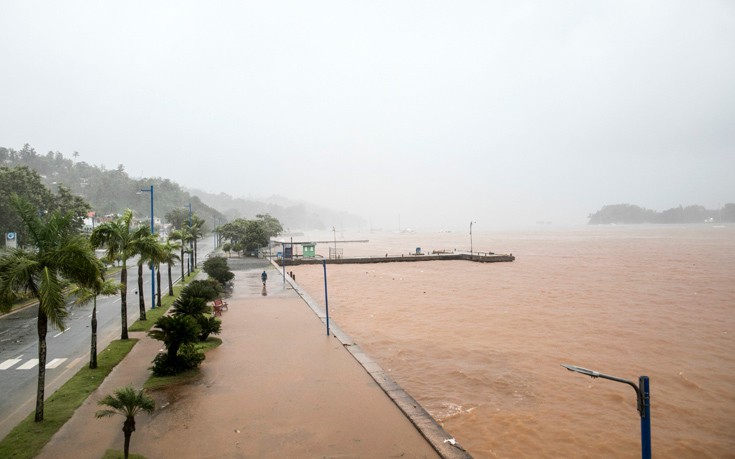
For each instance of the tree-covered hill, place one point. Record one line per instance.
(107, 191)
(631, 214)
(113, 191)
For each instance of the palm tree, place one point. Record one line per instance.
(156, 257)
(147, 247)
(170, 257)
(121, 242)
(127, 402)
(183, 236)
(84, 295)
(175, 332)
(197, 232)
(56, 253)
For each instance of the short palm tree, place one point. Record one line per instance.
(84, 295)
(120, 242)
(56, 253)
(126, 402)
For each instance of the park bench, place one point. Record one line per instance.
(219, 306)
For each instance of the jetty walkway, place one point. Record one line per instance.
(479, 258)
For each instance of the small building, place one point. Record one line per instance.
(309, 249)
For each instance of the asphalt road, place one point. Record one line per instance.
(68, 350)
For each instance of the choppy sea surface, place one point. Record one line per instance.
(480, 345)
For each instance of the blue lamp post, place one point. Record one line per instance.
(153, 269)
(643, 395)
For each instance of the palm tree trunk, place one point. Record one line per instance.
(42, 329)
(141, 298)
(93, 349)
(195, 254)
(158, 281)
(124, 301)
(170, 282)
(182, 261)
(128, 429)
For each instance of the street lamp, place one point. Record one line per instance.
(153, 273)
(643, 396)
(471, 223)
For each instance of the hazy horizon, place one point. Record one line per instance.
(437, 114)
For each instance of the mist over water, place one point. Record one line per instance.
(480, 345)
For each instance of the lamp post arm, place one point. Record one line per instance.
(596, 374)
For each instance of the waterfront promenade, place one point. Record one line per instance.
(278, 386)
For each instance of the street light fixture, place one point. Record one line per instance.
(153, 273)
(643, 396)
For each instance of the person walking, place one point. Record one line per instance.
(264, 277)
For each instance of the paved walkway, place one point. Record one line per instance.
(278, 386)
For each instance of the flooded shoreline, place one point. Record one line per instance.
(480, 346)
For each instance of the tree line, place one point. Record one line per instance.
(108, 192)
(632, 214)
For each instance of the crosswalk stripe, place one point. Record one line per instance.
(8, 363)
(32, 363)
(55, 363)
(28, 365)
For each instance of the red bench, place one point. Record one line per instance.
(219, 306)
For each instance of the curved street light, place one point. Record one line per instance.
(643, 396)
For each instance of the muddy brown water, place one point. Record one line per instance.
(480, 345)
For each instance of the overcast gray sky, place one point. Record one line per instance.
(501, 112)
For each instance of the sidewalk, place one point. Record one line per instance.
(278, 386)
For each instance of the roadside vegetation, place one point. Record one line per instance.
(27, 439)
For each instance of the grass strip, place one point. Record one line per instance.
(152, 315)
(28, 438)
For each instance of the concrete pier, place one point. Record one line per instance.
(479, 258)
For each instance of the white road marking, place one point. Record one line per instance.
(28, 365)
(8, 363)
(61, 332)
(55, 363)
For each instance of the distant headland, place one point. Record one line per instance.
(632, 214)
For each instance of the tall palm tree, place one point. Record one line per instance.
(120, 241)
(170, 257)
(147, 248)
(56, 253)
(84, 295)
(156, 257)
(126, 402)
(183, 236)
(197, 232)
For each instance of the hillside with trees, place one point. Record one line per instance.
(292, 214)
(632, 214)
(108, 192)
(113, 191)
